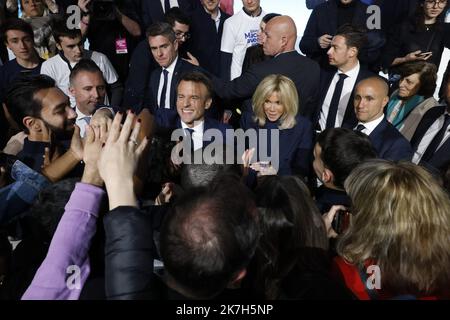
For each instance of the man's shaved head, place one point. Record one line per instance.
(378, 82)
(279, 36)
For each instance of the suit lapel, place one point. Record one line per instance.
(174, 82)
(377, 135)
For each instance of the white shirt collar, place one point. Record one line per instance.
(370, 126)
(352, 73)
(198, 128)
(171, 68)
(81, 115)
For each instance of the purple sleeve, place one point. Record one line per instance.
(64, 271)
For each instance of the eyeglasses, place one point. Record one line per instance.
(440, 3)
(185, 35)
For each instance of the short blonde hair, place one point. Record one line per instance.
(401, 220)
(287, 91)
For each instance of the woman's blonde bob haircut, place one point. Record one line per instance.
(288, 95)
(401, 221)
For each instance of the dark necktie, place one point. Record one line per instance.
(189, 132)
(166, 5)
(360, 127)
(432, 147)
(162, 98)
(331, 118)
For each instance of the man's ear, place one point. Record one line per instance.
(385, 101)
(208, 103)
(71, 91)
(58, 46)
(353, 52)
(327, 176)
(32, 124)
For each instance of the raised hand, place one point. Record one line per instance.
(328, 220)
(92, 151)
(325, 41)
(192, 60)
(119, 160)
(76, 144)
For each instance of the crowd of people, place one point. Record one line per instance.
(193, 152)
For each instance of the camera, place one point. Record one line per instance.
(341, 221)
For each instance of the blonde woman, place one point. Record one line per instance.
(398, 241)
(275, 107)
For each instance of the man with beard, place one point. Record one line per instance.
(43, 112)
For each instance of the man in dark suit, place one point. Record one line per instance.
(371, 96)
(194, 97)
(161, 92)
(431, 141)
(153, 10)
(142, 62)
(206, 30)
(278, 41)
(337, 86)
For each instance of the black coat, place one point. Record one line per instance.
(206, 39)
(304, 72)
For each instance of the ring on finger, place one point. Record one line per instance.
(134, 141)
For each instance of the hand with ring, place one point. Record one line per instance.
(119, 161)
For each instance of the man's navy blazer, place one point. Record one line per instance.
(441, 158)
(206, 39)
(326, 76)
(167, 117)
(389, 143)
(304, 72)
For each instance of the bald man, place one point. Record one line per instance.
(279, 42)
(371, 96)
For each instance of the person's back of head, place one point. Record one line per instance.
(400, 221)
(49, 206)
(290, 225)
(209, 237)
(211, 165)
(341, 150)
(21, 98)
